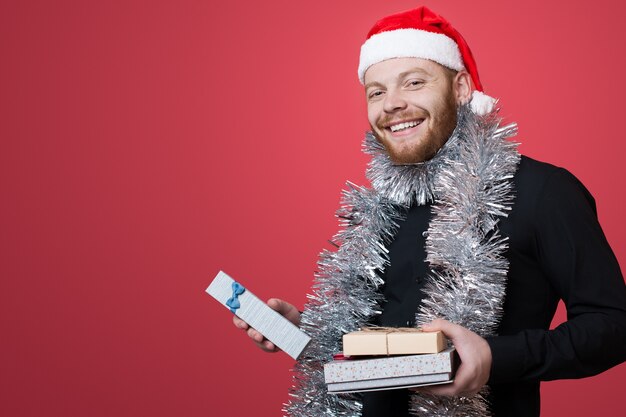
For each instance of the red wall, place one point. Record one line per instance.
(146, 145)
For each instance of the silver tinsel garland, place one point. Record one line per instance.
(469, 183)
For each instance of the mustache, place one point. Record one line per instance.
(388, 119)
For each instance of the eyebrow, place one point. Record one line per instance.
(373, 83)
(400, 76)
(413, 70)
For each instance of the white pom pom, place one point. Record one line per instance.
(481, 103)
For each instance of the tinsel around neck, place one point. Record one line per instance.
(469, 184)
(415, 183)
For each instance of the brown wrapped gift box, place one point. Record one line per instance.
(392, 341)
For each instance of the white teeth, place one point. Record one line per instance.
(402, 126)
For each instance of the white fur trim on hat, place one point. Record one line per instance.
(481, 103)
(409, 43)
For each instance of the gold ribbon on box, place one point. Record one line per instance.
(391, 329)
(387, 330)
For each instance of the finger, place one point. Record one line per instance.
(279, 305)
(285, 309)
(437, 324)
(443, 389)
(240, 323)
(451, 330)
(447, 390)
(254, 335)
(461, 385)
(269, 346)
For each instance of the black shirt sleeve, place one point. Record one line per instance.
(575, 257)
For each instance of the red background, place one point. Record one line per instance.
(148, 144)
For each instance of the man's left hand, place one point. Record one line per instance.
(475, 355)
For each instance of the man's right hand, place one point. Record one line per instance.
(284, 308)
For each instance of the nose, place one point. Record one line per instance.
(394, 101)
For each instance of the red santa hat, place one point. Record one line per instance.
(421, 33)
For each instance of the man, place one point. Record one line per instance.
(459, 233)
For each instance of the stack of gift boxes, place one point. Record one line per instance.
(372, 359)
(390, 358)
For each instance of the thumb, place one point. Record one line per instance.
(451, 330)
(279, 305)
(285, 309)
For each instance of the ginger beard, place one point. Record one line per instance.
(422, 142)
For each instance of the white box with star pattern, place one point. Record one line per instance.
(392, 372)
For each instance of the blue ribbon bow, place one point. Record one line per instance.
(233, 302)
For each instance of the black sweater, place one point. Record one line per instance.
(557, 250)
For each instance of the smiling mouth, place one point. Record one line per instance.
(400, 127)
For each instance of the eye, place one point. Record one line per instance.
(374, 94)
(414, 83)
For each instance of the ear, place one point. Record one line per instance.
(462, 85)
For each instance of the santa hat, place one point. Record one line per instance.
(421, 33)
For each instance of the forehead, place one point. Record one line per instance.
(389, 70)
